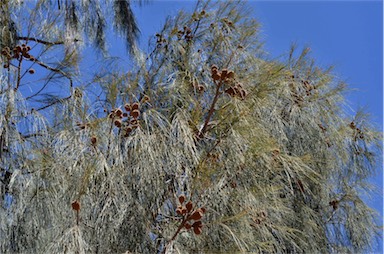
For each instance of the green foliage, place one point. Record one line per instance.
(263, 149)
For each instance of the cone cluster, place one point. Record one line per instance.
(223, 75)
(160, 40)
(192, 217)
(17, 53)
(76, 205)
(237, 91)
(260, 218)
(358, 134)
(128, 120)
(185, 34)
(198, 87)
(308, 87)
(334, 204)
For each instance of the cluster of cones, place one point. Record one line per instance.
(191, 217)
(237, 91)
(260, 218)
(186, 34)
(128, 120)
(298, 98)
(17, 53)
(357, 132)
(228, 77)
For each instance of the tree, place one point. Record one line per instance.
(205, 146)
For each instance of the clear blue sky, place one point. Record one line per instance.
(346, 34)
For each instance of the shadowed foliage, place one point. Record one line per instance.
(204, 146)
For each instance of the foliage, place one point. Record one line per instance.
(205, 146)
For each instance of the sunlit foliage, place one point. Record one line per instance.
(204, 146)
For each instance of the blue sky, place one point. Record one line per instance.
(345, 34)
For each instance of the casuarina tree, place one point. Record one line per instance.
(203, 145)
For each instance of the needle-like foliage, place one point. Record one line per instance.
(204, 146)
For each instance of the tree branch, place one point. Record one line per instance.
(25, 38)
(211, 110)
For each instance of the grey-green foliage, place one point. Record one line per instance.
(282, 171)
(80, 20)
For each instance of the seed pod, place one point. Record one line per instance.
(181, 199)
(236, 90)
(230, 75)
(184, 211)
(187, 30)
(135, 106)
(203, 210)
(135, 113)
(352, 125)
(214, 67)
(196, 215)
(224, 73)
(216, 76)
(76, 205)
(189, 206)
(202, 13)
(117, 123)
(118, 112)
(145, 98)
(28, 48)
(243, 94)
(187, 225)
(5, 65)
(197, 230)
(127, 131)
(111, 115)
(125, 114)
(230, 91)
(334, 204)
(93, 140)
(31, 71)
(135, 126)
(127, 107)
(200, 88)
(197, 224)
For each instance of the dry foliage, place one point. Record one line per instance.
(204, 146)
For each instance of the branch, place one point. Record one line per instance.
(53, 103)
(25, 38)
(211, 110)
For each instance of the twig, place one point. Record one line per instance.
(182, 224)
(211, 109)
(25, 38)
(18, 73)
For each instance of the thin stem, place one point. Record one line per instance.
(26, 38)
(18, 73)
(211, 109)
(182, 224)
